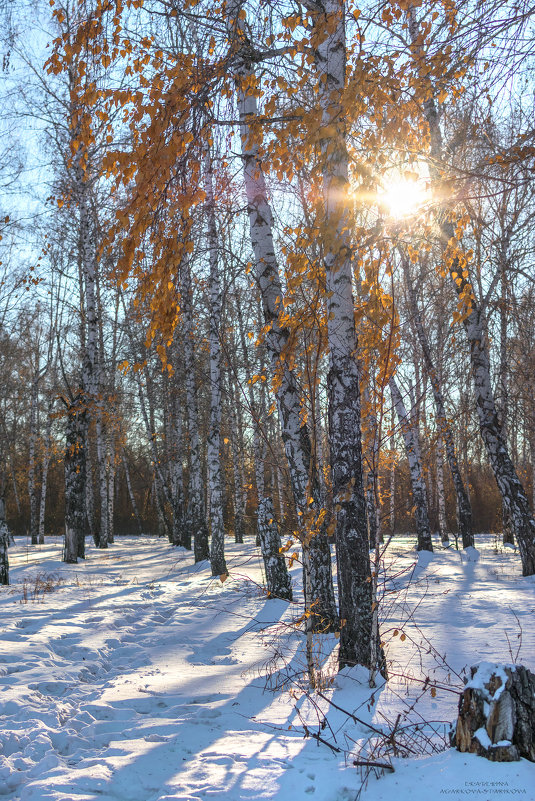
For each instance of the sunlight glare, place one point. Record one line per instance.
(403, 197)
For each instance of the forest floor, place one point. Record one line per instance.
(135, 676)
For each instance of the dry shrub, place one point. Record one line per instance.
(35, 587)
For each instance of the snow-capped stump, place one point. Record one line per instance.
(497, 713)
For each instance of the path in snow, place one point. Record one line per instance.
(141, 678)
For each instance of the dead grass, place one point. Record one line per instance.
(35, 587)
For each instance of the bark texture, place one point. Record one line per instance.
(4, 544)
(278, 582)
(497, 714)
(352, 548)
(74, 464)
(215, 480)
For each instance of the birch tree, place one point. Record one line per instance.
(474, 325)
(464, 509)
(411, 439)
(352, 547)
(4, 544)
(319, 590)
(217, 528)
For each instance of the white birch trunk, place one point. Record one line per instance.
(412, 450)
(358, 638)
(32, 489)
(44, 479)
(196, 503)
(303, 472)
(177, 475)
(111, 484)
(89, 492)
(217, 527)
(510, 486)
(278, 582)
(464, 508)
(441, 497)
(91, 370)
(4, 544)
(74, 464)
(237, 476)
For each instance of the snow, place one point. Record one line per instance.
(482, 678)
(483, 737)
(138, 677)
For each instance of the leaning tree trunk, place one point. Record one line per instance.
(217, 526)
(74, 464)
(412, 450)
(512, 491)
(278, 582)
(357, 636)
(510, 486)
(464, 507)
(303, 472)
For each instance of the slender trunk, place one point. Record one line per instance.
(217, 548)
(441, 498)
(131, 494)
(111, 487)
(89, 492)
(464, 507)
(91, 368)
(4, 544)
(511, 489)
(44, 479)
(357, 637)
(32, 489)
(161, 494)
(237, 477)
(179, 536)
(503, 406)
(303, 471)
(532, 456)
(74, 463)
(278, 581)
(412, 450)
(196, 503)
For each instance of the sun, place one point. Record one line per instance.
(403, 197)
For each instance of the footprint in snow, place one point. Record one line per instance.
(53, 688)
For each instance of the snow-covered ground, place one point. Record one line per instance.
(138, 677)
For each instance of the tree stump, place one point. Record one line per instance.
(497, 713)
